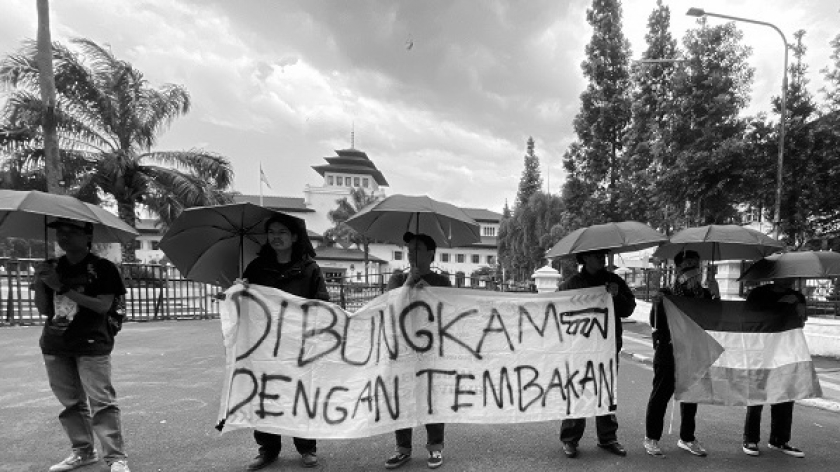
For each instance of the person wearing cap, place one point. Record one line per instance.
(285, 262)
(421, 254)
(593, 273)
(687, 283)
(770, 297)
(75, 294)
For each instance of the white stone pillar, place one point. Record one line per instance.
(546, 279)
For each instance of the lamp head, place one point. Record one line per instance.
(698, 12)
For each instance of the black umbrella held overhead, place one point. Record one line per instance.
(213, 244)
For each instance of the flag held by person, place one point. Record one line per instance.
(728, 353)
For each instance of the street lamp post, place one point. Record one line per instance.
(777, 218)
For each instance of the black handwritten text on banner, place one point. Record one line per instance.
(415, 356)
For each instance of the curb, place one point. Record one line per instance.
(820, 403)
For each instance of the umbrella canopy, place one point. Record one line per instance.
(388, 219)
(26, 214)
(623, 236)
(805, 264)
(721, 243)
(213, 244)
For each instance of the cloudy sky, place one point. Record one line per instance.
(443, 94)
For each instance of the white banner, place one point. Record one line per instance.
(414, 356)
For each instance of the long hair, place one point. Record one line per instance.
(301, 249)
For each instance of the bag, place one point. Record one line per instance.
(116, 315)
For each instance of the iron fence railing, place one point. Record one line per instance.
(158, 292)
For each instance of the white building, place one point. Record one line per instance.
(351, 168)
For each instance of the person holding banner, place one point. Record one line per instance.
(421, 254)
(687, 283)
(781, 414)
(285, 262)
(593, 273)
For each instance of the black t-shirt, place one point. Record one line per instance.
(72, 329)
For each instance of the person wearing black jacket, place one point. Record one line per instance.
(687, 283)
(285, 262)
(594, 274)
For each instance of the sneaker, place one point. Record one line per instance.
(570, 449)
(74, 461)
(397, 460)
(119, 466)
(751, 449)
(787, 449)
(693, 447)
(435, 459)
(652, 448)
(309, 459)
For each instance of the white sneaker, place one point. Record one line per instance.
(693, 447)
(119, 466)
(652, 448)
(74, 461)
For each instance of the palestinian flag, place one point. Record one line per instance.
(727, 353)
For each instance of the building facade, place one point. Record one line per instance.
(351, 169)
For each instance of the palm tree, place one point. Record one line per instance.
(343, 233)
(108, 119)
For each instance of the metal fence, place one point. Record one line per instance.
(157, 292)
(153, 292)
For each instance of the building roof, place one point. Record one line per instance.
(275, 203)
(338, 253)
(352, 161)
(481, 214)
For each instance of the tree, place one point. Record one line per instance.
(531, 181)
(652, 105)
(605, 108)
(342, 232)
(46, 80)
(831, 73)
(707, 158)
(108, 119)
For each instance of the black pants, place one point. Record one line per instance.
(781, 419)
(663, 390)
(270, 444)
(606, 426)
(434, 438)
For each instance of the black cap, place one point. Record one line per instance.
(579, 256)
(425, 238)
(83, 225)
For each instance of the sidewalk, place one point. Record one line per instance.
(638, 346)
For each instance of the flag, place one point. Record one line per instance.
(729, 353)
(263, 178)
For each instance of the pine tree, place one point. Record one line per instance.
(531, 181)
(605, 109)
(653, 98)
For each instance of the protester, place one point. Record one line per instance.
(76, 294)
(769, 297)
(594, 274)
(421, 254)
(687, 283)
(284, 262)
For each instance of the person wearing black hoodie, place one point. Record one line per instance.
(285, 262)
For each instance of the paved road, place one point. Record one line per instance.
(168, 376)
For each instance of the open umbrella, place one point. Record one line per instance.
(388, 219)
(804, 264)
(213, 244)
(721, 243)
(623, 236)
(26, 214)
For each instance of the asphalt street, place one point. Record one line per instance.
(168, 377)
